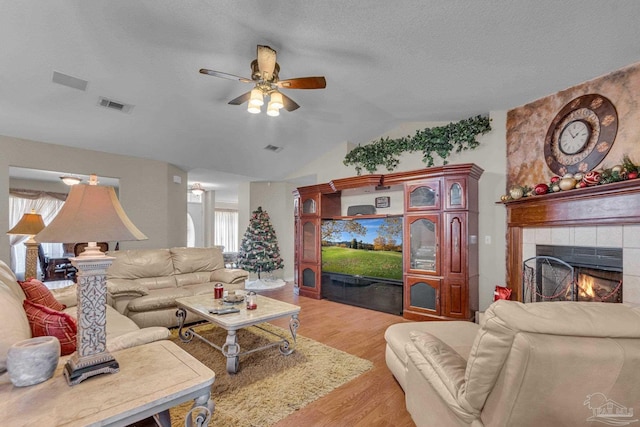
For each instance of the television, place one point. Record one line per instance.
(367, 247)
(362, 262)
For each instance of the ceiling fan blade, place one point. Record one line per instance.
(303, 83)
(266, 61)
(241, 99)
(224, 75)
(288, 103)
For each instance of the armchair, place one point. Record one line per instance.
(547, 363)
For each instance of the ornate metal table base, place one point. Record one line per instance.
(199, 415)
(231, 349)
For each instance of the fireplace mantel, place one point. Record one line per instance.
(608, 204)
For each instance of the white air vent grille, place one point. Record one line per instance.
(273, 148)
(114, 105)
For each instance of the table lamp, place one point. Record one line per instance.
(29, 225)
(91, 214)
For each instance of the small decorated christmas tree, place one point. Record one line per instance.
(259, 251)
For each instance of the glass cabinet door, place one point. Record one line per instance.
(296, 206)
(309, 241)
(423, 196)
(309, 206)
(422, 295)
(423, 241)
(455, 193)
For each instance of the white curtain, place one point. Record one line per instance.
(48, 207)
(226, 229)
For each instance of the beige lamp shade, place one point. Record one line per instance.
(276, 100)
(272, 111)
(256, 97)
(91, 213)
(30, 224)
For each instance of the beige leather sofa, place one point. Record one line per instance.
(144, 284)
(122, 332)
(539, 364)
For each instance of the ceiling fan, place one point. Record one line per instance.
(265, 75)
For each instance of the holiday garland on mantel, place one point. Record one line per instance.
(259, 252)
(439, 140)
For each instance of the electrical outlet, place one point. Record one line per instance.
(487, 240)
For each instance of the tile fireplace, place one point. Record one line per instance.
(604, 217)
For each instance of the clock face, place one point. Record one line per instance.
(581, 135)
(574, 136)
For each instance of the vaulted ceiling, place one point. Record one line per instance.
(385, 62)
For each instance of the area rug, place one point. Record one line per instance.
(268, 385)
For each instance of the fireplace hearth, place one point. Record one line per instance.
(573, 273)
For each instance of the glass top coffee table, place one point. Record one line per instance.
(268, 309)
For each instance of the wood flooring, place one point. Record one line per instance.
(374, 398)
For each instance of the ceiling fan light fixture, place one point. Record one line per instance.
(71, 180)
(197, 189)
(256, 97)
(276, 100)
(272, 110)
(265, 72)
(253, 108)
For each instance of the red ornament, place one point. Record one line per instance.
(501, 292)
(632, 175)
(555, 179)
(591, 178)
(541, 189)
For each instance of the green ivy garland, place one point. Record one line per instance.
(440, 140)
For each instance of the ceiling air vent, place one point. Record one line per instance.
(114, 105)
(273, 148)
(69, 81)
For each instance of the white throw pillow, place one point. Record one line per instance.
(15, 326)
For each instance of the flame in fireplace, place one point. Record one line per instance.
(586, 284)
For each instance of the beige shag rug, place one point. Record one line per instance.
(268, 385)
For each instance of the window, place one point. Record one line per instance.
(226, 229)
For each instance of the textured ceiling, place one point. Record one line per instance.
(385, 62)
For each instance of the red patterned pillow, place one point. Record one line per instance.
(37, 292)
(47, 322)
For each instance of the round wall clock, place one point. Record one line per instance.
(581, 134)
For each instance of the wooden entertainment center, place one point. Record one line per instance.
(439, 207)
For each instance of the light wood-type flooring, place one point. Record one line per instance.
(374, 398)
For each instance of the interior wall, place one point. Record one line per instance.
(197, 215)
(527, 125)
(276, 198)
(150, 197)
(176, 206)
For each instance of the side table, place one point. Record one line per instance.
(153, 378)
